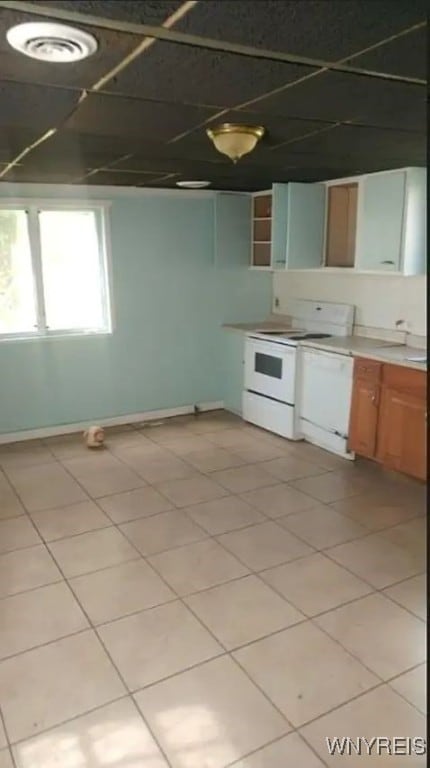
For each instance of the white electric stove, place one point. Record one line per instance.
(279, 385)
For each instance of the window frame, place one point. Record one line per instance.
(32, 207)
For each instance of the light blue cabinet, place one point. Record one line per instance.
(380, 222)
(298, 216)
(279, 225)
(232, 229)
(233, 360)
(414, 250)
(391, 224)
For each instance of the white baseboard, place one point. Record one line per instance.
(113, 421)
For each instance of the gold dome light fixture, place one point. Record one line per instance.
(235, 140)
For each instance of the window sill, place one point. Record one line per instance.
(54, 336)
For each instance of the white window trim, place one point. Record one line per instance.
(32, 205)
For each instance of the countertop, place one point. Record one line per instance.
(374, 349)
(356, 346)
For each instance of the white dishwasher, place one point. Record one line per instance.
(324, 401)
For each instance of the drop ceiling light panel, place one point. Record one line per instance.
(112, 48)
(327, 29)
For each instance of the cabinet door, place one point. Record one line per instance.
(380, 223)
(232, 230)
(305, 225)
(402, 432)
(279, 225)
(364, 417)
(341, 225)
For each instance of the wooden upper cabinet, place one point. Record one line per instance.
(341, 225)
(363, 423)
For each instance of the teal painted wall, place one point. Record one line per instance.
(170, 299)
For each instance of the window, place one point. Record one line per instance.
(53, 270)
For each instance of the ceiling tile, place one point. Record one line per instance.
(358, 141)
(14, 139)
(25, 105)
(135, 118)
(66, 150)
(277, 128)
(405, 56)
(152, 12)
(327, 29)
(183, 73)
(337, 96)
(121, 178)
(112, 48)
(29, 176)
(163, 163)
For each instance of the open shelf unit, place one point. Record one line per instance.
(261, 230)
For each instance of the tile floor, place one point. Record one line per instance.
(203, 594)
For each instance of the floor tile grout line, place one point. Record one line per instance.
(406, 579)
(120, 675)
(46, 644)
(91, 628)
(151, 732)
(90, 711)
(215, 537)
(211, 536)
(366, 581)
(8, 742)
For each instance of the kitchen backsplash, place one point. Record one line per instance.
(389, 307)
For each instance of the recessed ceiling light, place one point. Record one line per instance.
(192, 184)
(51, 42)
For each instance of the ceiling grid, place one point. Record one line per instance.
(322, 76)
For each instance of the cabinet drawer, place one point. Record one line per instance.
(405, 379)
(367, 369)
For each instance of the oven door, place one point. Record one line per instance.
(270, 369)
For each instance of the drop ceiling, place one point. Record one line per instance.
(338, 84)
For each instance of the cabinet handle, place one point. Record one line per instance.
(387, 261)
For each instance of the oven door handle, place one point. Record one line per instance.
(269, 348)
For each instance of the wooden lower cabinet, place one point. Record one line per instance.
(363, 425)
(364, 418)
(389, 416)
(402, 432)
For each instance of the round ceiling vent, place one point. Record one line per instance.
(51, 42)
(192, 184)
